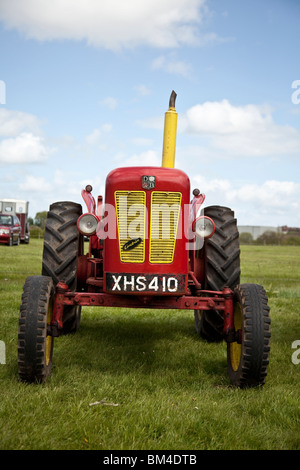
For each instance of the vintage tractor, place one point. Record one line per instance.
(148, 248)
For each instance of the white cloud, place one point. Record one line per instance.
(148, 158)
(95, 136)
(35, 184)
(13, 122)
(112, 25)
(142, 141)
(271, 193)
(110, 102)
(156, 123)
(25, 148)
(22, 140)
(172, 66)
(271, 201)
(142, 90)
(2, 92)
(241, 130)
(254, 204)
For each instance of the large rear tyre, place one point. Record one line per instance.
(63, 244)
(222, 268)
(248, 359)
(35, 346)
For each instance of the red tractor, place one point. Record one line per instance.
(148, 248)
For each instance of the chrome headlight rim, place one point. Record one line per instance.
(209, 227)
(87, 224)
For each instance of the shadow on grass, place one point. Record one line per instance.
(146, 344)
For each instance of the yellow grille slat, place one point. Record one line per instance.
(131, 219)
(165, 210)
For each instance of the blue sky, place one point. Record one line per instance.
(84, 87)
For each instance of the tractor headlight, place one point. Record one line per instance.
(204, 227)
(87, 224)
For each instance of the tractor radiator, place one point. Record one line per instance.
(165, 210)
(132, 216)
(131, 221)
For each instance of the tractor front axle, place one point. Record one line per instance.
(221, 301)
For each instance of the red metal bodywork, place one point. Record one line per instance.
(104, 256)
(166, 180)
(206, 300)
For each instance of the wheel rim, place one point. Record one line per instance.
(49, 339)
(236, 348)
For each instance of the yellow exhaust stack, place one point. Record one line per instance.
(169, 144)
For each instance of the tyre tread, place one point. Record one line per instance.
(32, 329)
(256, 336)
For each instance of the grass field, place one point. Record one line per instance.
(171, 389)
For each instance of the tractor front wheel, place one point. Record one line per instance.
(35, 346)
(248, 357)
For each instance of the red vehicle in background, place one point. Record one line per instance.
(18, 208)
(10, 229)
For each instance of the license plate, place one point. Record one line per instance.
(145, 283)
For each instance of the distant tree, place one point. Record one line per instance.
(30, 221)
(36, 232)
(40, 219)
(292, 238)
(269, 238)
(246, 238)
(293, 233)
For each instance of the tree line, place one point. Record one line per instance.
(37, 225)
(271, 238)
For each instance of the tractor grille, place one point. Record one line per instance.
(131, 215)
(131, 220)
(165, 210)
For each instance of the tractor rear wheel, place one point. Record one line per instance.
(35, 346)
(63, 244)
(248, 358)
(222, 268)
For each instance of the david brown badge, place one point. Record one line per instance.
(148, 182)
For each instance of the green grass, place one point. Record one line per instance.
(171, 388)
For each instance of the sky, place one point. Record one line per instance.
(84, 87)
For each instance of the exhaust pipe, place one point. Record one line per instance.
(170, 130)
